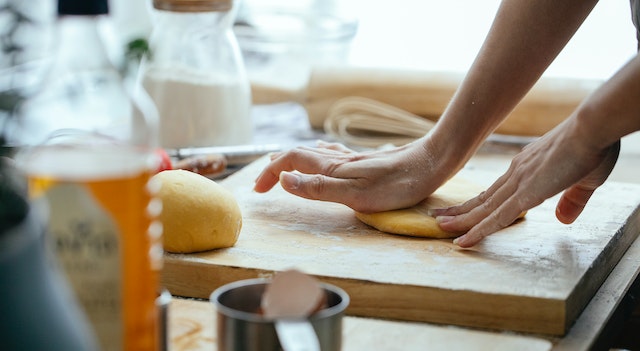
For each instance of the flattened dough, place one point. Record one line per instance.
(416, 221)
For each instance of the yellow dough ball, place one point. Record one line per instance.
(198, 214)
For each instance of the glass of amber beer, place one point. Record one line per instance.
(102, 225)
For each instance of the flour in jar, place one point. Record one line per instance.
(199, 110)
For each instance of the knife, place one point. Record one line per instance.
(236, 155)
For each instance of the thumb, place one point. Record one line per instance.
(304, 185)
(324, 188)
(572, 203)
(290, 181)
(575, 198)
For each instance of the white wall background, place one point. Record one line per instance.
(446, 35)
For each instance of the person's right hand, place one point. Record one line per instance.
(365, 181)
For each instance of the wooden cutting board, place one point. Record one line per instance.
(535, 276)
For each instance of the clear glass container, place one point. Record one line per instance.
(282, 41)
(195, 75)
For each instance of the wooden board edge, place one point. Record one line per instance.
(418, 303)
(602, 266)
(454, 307)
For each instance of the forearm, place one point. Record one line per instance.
(524, 39)
(613, 110)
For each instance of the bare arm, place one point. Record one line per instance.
(576, 157)
(612, 111)
(524, 39)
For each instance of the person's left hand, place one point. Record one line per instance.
(563, 159)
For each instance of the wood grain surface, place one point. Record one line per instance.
(193, 325)
(535, 276)
(426, 94)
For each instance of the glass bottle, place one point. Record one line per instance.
(87, 145)
(196, 76)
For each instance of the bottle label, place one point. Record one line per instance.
(85, 239)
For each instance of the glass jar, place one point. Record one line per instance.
(195, 75)
(283, 41)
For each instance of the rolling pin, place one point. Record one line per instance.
(426, 94)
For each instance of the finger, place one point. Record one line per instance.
(476, 209)
(320, 187)
(504, 216)
(281, 161)
(274, 155)
(462, 221)
(333, 146)
(460, 209)
(265, 181)
(303, 159)
(575, 198)
(572, 203)
(494, 213)
(482, 198)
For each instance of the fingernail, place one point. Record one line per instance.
(258, 177)
(290, 180)
(459, 241)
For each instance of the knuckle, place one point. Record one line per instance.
(296, 153)
(501, 218)
(488, 204)
(482, 197)
(317, 185)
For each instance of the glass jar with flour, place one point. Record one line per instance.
(196, 76)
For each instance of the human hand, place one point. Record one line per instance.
(365, 181)
(561, 160)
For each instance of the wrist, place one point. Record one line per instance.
(453, 146)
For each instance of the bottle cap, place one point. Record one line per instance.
(83, 7)
(193, 5)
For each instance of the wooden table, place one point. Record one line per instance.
(192, 322)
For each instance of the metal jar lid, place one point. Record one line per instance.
(193, 5)
(83, 7)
